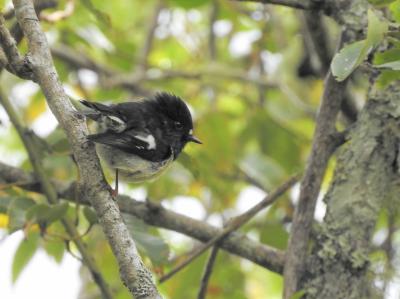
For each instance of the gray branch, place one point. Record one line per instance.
(236, 243)
(301, 4)
(353, 17)
(92, 185)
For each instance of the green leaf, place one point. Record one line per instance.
(380, 2)
(387, 56)
(387, 77)
(395, 10)
(348, 59)
(4, 203)
(262, 169)
(23, 255)
(17, 211)
(56, 212)
(55, 249)
(352, 55)
(46, 214)
(394, 65)
(90, 215)
(376, 29)
(154, 246)
(298, 294)
(36, 212)
(188, 4)
(100, 15)
(273, 234)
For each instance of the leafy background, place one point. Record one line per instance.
(251, 82)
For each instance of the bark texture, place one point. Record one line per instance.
(365, 178)
(134, 274)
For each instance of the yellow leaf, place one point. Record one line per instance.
(3, 220)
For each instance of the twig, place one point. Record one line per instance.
(235, 243)
(133, 273)
(212, 45)
(51, 193)
(16, 63)
(207, 273)
(300, 4)
(234, 224)
(132, 81)
(323, 146)
(148, 42)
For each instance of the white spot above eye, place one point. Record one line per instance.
(191, 132)
(149, 139)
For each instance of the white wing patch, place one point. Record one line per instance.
(116, 119)
(149, 139)
(191, 132)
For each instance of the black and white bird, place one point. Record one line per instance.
(140, 139)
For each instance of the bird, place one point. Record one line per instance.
(140, 139)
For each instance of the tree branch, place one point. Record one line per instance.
(322, 148)
(207, 273)
(300, 4)
(27, 138)
(318, 45)
(16, 63)
(132, 270)
(149, 39)
(235, 243)
(233, 225)
(132, 81)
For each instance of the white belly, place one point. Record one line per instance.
(131, 167)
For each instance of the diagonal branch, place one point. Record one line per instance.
(51, 194)
(234, 224)
(235, 243)
(93, 185)
(300, 4)
(207, 273)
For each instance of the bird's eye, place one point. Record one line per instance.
(178, 125)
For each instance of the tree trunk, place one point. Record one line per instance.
(363, 184)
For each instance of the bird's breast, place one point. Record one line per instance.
(132, 168)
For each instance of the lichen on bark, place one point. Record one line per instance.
(367, 167)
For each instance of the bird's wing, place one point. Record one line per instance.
(107, 117)
(130, 141)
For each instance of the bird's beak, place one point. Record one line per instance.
(194, 139)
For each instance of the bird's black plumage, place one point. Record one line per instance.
(152, 128)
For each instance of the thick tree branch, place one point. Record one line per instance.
(235, 243)
(27, 138)
(133, 272)
(322, 148)
(352, 15)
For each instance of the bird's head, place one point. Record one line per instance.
(177, 121)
